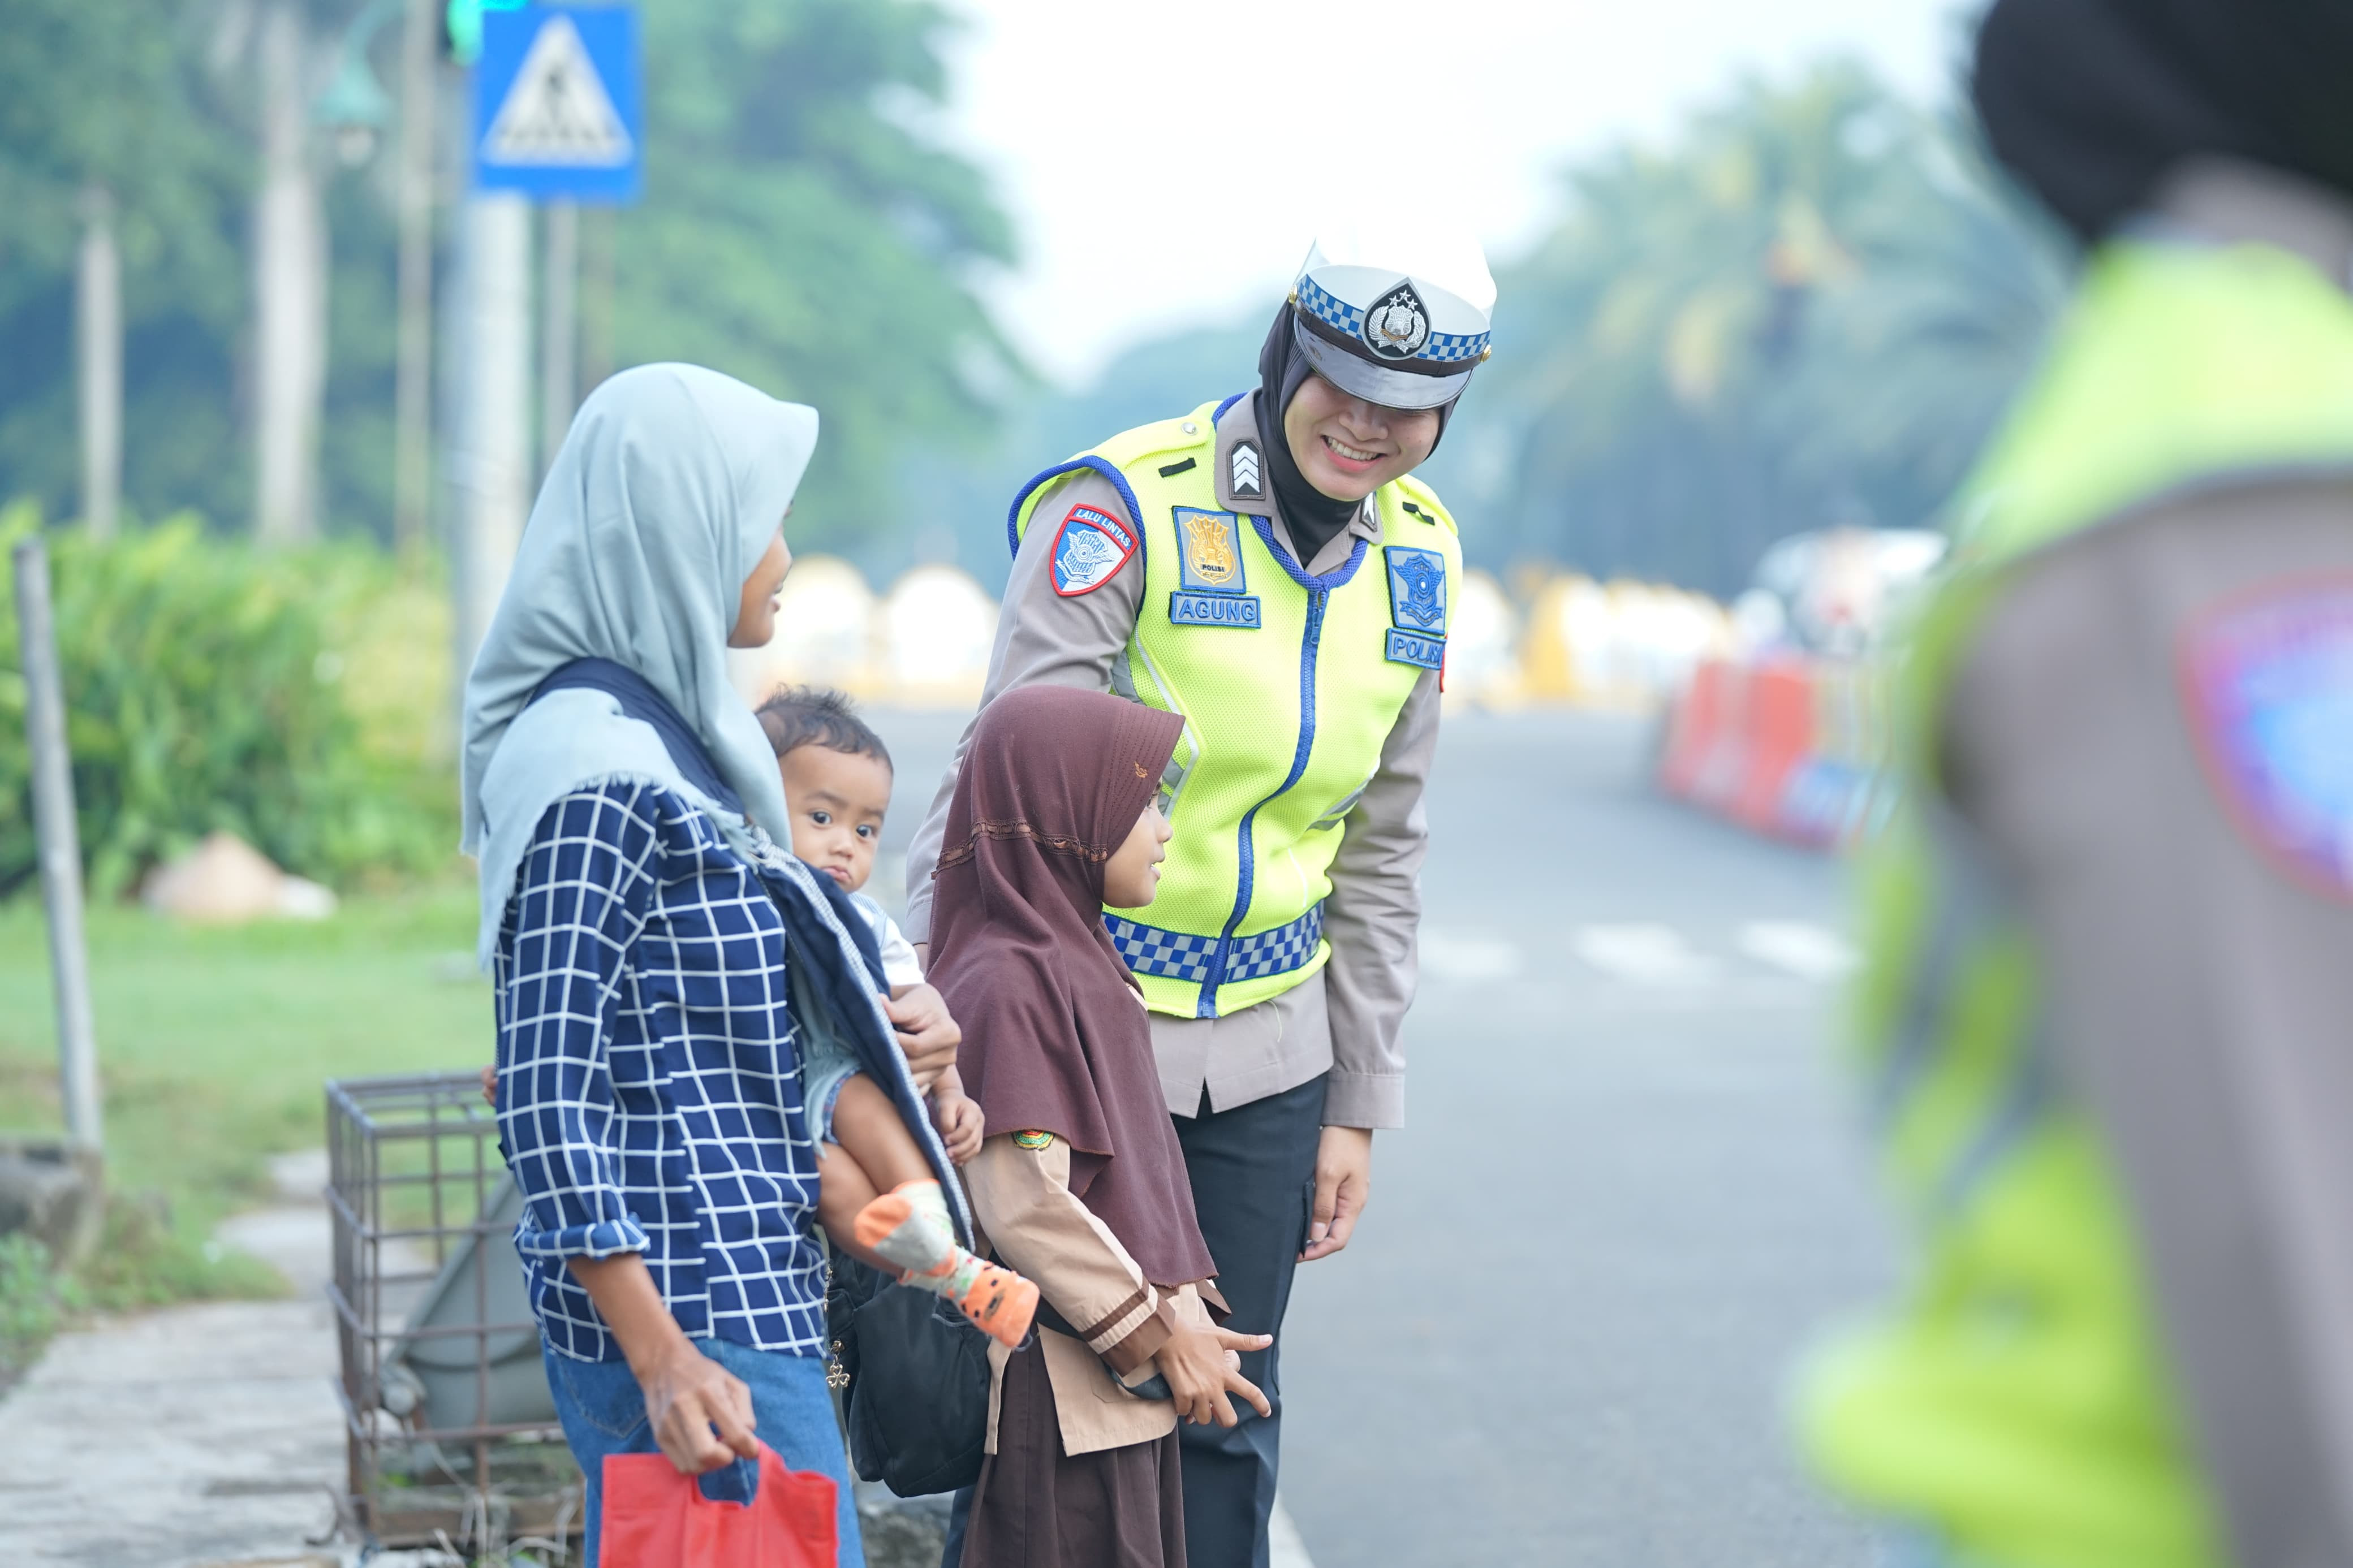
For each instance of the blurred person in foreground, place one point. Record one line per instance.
(657, 954)
(2109, 1005)
(1268, 568)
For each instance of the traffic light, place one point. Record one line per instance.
(461, 27)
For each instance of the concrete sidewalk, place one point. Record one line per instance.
(196, 1437)
(210, 1436)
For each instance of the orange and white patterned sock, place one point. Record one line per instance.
(909, 1226)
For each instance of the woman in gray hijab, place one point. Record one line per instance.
(640, 920)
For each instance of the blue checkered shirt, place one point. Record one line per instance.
(649, 1091)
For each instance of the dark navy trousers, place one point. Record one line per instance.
(1254, 1175)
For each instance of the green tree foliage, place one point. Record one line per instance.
(114, 95)
(1807, 310)
(292, 698)
(800, 231)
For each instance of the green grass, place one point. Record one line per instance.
(212, 1044)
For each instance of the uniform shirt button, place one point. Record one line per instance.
(1191, 429)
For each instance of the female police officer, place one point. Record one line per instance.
(1265, 567)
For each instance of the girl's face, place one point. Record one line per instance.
(1132, 876)
(755, 614)
(1347, 448)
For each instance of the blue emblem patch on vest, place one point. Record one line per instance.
(1417, 589)
(1210, 552)
(2270, 686)
(1412, 648)
(1213, 610)
(1089, 548)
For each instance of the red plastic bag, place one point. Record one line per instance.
(657, 1517)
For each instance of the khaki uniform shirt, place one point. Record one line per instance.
(1347, 1018)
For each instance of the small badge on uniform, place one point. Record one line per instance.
(1089, 548)
(2269, 684)
(1245, 470)
(1033, 1141)
(1212, 583)
(1417, 633)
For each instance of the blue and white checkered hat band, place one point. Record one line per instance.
(1443, 348)
(1180, 955)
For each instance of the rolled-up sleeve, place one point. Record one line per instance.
(579, 904)
(1371, 920)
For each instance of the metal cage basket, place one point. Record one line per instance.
(451, 1431)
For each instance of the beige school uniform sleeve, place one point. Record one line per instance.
(1043, 640)
(1038, 1228)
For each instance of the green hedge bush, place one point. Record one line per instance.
(297, 698)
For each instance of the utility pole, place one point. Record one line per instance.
(290, 289)
(58, 842)
(493, 455)
(559, 330)
(97, 353)
(412, 459)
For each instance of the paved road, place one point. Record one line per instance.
(1628, 1194)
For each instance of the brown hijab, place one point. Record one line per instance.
(1055, 1036)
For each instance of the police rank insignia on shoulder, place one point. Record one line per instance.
(1417, 633)
(1213, 585)
(1089, 548)
(2269, 684)
(1033, 1141)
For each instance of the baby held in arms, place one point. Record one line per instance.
(878, 1197)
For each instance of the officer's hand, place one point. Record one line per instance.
(1344, 1184)
(927, 1033)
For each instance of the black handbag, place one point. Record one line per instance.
(913, 1373)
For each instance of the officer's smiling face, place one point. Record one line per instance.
(1347, 448)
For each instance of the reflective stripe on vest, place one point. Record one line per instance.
(1289, 684)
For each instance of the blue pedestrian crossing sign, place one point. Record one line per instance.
(558, 103)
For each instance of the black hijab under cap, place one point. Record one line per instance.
(2091, 103)
(1313, 518)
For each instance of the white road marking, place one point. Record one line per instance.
(1446, 955)
(1808, 952)
(1643, 955)
(1286, 1549)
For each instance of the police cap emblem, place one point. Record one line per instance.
(1397, 324)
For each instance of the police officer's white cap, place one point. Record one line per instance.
(1397, 315)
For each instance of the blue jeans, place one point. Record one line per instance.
(603, 1412)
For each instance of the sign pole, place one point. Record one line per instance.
(559, 330)
(495, 460)
(59, 840)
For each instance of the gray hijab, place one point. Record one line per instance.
(664, 496)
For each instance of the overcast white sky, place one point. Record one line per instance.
(1166, 164)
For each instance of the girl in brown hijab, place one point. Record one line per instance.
(1055, 816)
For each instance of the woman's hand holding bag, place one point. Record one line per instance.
(657, 1517)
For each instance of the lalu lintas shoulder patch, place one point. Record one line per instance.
(1089, 548)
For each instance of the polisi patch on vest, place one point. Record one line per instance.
(2269, 683)
(1089, 548)
(1417, 589)
(1417, 633)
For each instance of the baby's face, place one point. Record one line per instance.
(837, 800)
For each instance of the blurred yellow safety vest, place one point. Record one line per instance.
(1288, 684)
(2017, 1402)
